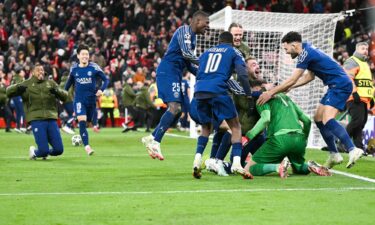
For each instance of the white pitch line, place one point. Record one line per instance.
(189, 191)
(353, 176)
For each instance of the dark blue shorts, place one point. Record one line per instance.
(168, 80)
(85, 109)
(216, 109)
(337, 97)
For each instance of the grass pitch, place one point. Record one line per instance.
(121, 184)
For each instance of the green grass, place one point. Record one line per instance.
(121, 184)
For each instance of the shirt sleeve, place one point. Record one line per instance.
(242, 73)
(70, 80)
(265, 117)
(184, 40)
(101, 74)
(304, 59)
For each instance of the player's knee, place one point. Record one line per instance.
(57, 151)
(43, 152)
(175, 108)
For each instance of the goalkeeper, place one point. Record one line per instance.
(285, 138)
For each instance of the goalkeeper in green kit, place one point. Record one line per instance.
(285, 138)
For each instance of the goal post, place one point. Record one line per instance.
(263, 32)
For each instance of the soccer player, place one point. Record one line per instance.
(214, 102)
(285, 138)
(39, 96)
(179, 56)
(340, 87)
(360, 101)
(83, 75)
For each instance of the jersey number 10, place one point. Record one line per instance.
(212, 62)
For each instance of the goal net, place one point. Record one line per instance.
(263, 32)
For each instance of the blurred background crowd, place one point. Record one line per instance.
(128, 37)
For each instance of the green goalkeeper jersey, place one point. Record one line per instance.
(281, 115)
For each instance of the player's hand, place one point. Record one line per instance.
(53, 91)
(356, 97)
(263, 98)
(99, 93)
(21, 89)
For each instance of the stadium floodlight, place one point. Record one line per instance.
(263, 32)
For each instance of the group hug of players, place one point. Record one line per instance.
(266, 130)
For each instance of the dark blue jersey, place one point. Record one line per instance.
(215, 68)
(84, 80)
(323, 66)
(181, 48)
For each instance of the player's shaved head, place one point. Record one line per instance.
(199, 14)
(292, 36)
(199, 23)
(226, 37)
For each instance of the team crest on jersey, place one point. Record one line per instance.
(89, 73)
(76, 74)
(176, 94)
(187, 38)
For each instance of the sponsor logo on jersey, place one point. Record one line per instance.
(84, 80)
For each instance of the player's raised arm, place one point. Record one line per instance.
(184, 40)
(70, 80)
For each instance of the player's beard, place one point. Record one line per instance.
(293, 55)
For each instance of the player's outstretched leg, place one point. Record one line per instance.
(314, 167)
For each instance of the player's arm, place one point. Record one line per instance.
(242, 72)
(104, 79)
(15, 90)
(184, 40)
(306, 78)
(265, 118)
(192, 68)
(304, 119)
(69, 82)
(284, 86)
(60, 93)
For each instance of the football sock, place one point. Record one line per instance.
(340, 132)
(328, 137)
(224, 146)
(216, 143)
(263, 169)
(165, 122)
(201, 145)
(83, 133)
(236, 149)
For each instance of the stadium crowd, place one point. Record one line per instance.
(127, 38)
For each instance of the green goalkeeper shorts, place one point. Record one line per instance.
(292, 145)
